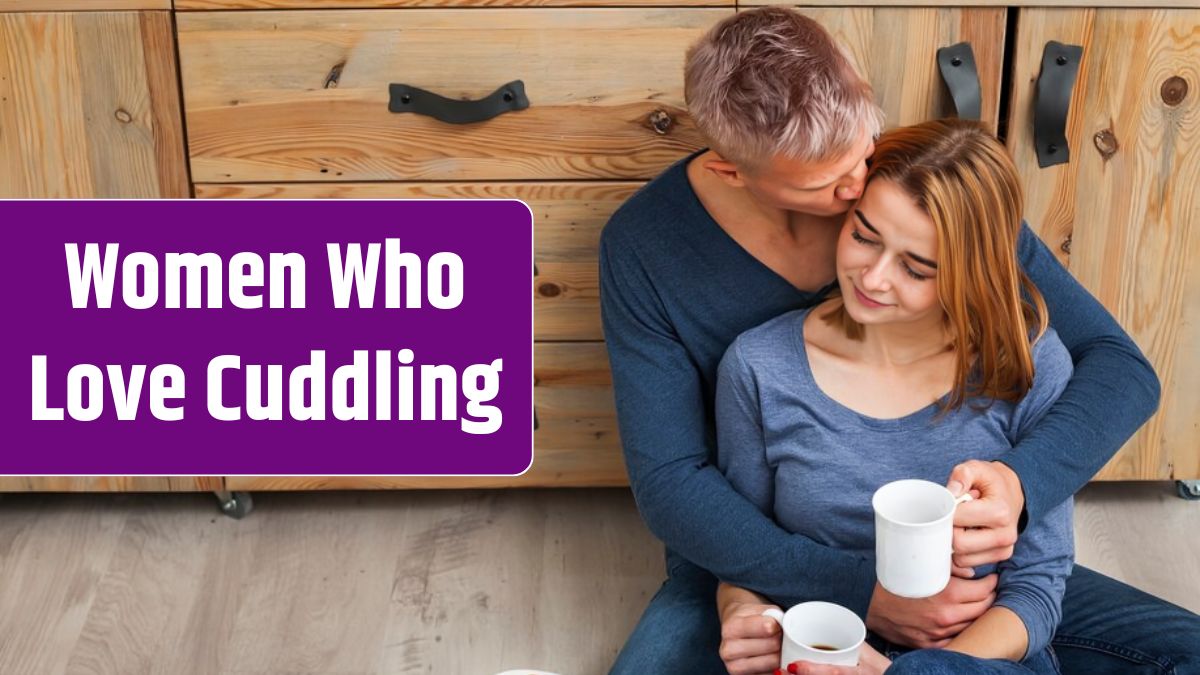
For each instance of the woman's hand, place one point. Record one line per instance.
(870, 662)
(750, 642)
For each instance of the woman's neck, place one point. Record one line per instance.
(896, 345)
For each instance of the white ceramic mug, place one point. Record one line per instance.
(820, 632)
(914, 533)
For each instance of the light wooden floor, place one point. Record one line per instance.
(464, 582)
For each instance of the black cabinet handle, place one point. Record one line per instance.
(957, 65)
(1060, 66)
(406, 98)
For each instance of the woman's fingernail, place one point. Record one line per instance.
(793, 668)
(779, 671)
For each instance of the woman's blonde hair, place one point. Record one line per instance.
(770, 81)
(963, 178)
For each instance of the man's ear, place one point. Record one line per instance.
(726, 171)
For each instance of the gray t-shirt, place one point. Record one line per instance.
(813, 464)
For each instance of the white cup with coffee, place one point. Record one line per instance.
(820, 632)
(914, 534)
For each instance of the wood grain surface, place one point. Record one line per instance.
(110, 483)
(80, 5)
(896, 49)
(1123, 214)
(89, 106)
(383, 4)
(576, 443)
(394, 582)
(302, 96)
(568, 218)
(954, 3)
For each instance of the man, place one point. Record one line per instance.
(746, 230)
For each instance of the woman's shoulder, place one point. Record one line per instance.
(769, 341)
(1051, 359)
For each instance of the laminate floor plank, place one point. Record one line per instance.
(1144, 535)
(469, 582)
(313, 594)
(53, 560)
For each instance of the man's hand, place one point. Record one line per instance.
(750, 642)
(930, 622)
(870, 662)
(985, 530)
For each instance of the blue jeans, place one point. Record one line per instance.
(1108, 628)
(941, 662)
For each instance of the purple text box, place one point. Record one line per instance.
(493, 321)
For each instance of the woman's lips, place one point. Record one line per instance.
(865, 301)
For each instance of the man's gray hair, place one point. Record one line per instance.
(771, 81)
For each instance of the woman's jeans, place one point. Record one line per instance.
(1108, 628)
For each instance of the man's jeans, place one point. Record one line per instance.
(1108, 628)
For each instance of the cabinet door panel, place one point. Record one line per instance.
(896, 49)
(89, 106)
(1123, 214)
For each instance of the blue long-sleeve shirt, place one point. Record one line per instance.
(812, 463)
(676, 290)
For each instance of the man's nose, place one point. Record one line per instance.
(852, 189)
(849, 192)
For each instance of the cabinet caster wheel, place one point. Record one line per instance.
(1188, 489)
(236, 505)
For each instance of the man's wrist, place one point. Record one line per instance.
(1014, 480)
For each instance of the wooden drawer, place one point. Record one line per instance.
(567, 221)
(377, 4)
(303, 96)
(576, 442)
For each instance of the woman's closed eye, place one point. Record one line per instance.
(907, 268)
(913, 273)
(861, 239)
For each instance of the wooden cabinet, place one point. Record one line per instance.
(89, 105)
(294, 104)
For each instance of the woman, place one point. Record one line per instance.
(936, 351)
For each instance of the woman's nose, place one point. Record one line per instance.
(873, 277)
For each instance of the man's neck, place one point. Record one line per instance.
(797, 246)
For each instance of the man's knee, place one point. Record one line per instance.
(930, 662)
(678, 632)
